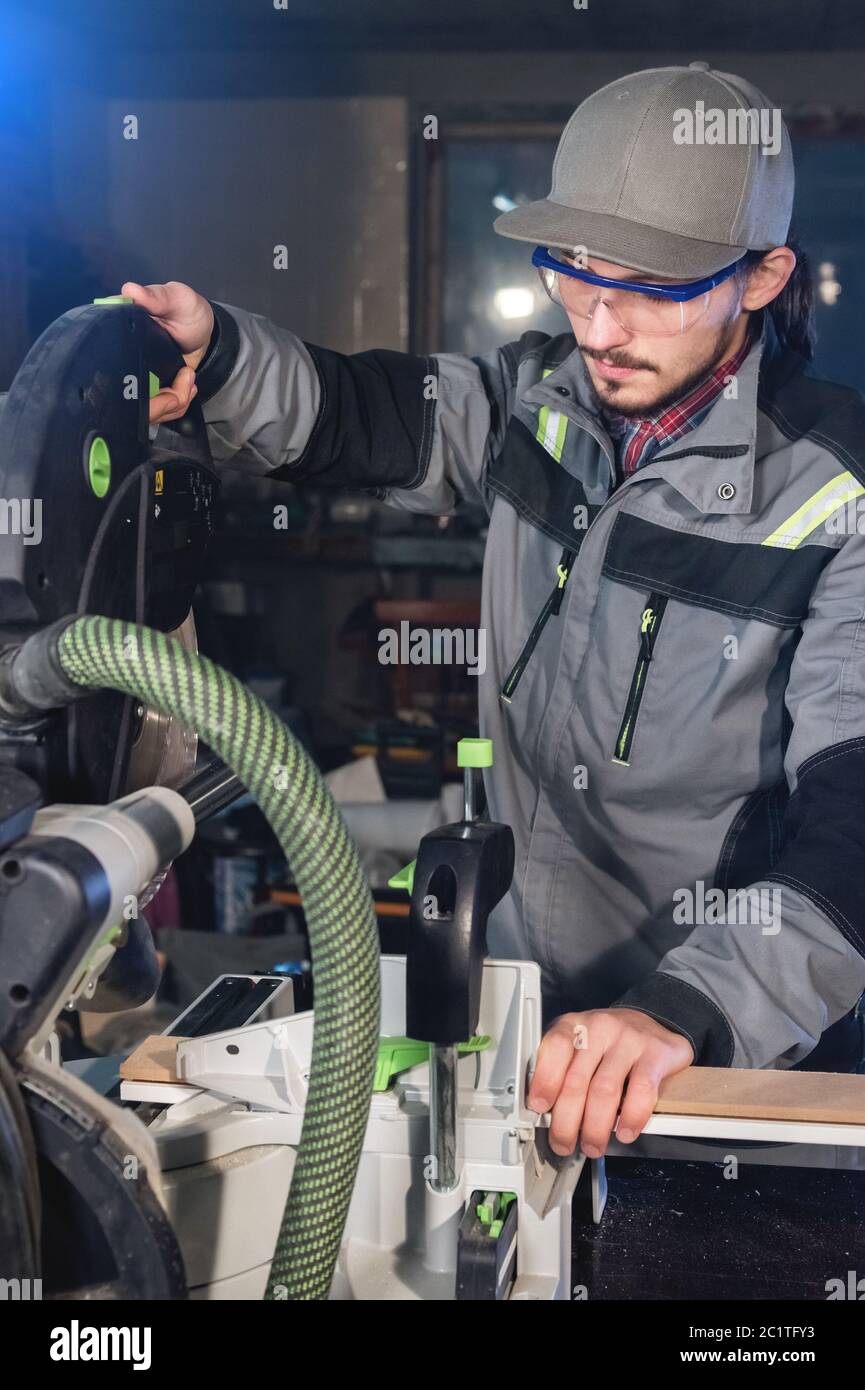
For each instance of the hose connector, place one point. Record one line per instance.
(32, 679)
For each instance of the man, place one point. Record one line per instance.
(673, 596)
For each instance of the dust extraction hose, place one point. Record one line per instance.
(103, 652)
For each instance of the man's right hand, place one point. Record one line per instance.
(188, 317)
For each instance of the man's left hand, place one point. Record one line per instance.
(588, 1062)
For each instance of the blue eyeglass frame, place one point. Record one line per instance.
(541, 257)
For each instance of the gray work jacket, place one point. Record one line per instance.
(675, 667)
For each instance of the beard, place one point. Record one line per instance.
(714, 355)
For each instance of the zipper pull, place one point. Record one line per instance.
(650, 621)
(562, 570)
(550, 609)
(647, 624)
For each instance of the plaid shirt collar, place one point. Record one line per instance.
(638, 439)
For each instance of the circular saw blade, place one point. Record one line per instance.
(123, 1245)
(163, 750)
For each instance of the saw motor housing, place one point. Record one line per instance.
(99, 513)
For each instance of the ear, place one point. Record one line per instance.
(768, 277)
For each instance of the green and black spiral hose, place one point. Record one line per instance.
(95, 652)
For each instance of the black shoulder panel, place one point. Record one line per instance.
(823, 853)
(375, 421)
(745, 579)
(543, 492)
(801, 403)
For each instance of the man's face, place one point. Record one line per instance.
(641, 375)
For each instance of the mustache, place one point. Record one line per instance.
(617, 359)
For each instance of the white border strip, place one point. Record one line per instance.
(770, 1131)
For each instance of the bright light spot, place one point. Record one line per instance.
(828, 287)
(502, 203)
(829, 291)
(514, 302)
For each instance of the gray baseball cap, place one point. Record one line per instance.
(665, 171)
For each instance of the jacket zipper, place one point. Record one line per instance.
(550, 609)
(650, 621)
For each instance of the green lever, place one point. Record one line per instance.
(401, 1054)
(493, 1210)
(405, 877)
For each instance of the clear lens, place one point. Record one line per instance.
(643, 314)
(548, 279)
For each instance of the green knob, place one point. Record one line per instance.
(475, 752)
(114, 299)
(99, 466)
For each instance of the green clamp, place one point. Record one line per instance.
(114, 299)
(401, 1054)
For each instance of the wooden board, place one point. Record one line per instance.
(817, 1097)
(153, 1060)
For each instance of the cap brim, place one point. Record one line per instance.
(616, 239)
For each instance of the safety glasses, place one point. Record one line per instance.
(662, 311)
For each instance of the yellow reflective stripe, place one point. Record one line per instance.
(815, 511)
(552, 427)
(554, 441)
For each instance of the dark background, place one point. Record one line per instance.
(262, 125)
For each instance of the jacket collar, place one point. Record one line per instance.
(719, 454)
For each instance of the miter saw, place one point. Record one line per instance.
(179, 1186)
(119, 519)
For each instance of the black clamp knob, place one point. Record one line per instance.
(462, 871)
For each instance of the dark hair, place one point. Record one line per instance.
(792, 310)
